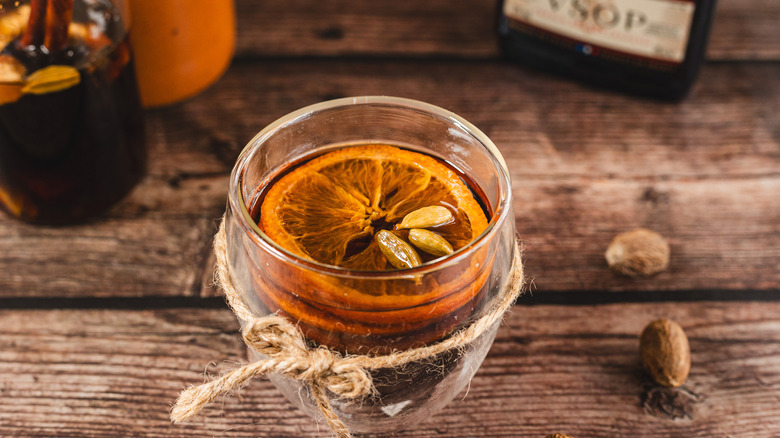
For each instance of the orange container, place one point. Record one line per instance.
(181, 46)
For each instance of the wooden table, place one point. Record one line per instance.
(102, 324)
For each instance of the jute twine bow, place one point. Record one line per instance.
(321, 369)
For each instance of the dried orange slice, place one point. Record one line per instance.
(329, 208)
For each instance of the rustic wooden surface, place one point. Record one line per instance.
(742, 29)
(102, 324)
(103, 373)
(579, 160)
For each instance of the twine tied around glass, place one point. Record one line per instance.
(322, 369)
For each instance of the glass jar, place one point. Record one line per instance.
(181, 46)
(71, 126)
(376, 312)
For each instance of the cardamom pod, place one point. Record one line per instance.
(399, 253)
(430, 242)
(426, 217)
(51, 79)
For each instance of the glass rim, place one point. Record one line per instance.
(238, 207)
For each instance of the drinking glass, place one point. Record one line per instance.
(384, 311)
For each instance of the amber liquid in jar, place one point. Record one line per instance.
(70, 154)
(462, 289)
(277, 291)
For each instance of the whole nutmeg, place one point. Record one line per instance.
(638, 252)
(665, 352)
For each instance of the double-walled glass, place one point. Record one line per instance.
(376, 312)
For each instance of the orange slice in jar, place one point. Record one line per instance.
(329, 209)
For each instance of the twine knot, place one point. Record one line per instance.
(273, 336)
(280, 340)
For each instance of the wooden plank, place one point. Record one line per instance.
(377, 28)
(586, 165)
(589, 164)
(742, 29)
(546, 127)
(572, 369)
(145, 247)
(720, 237)
(745, 30)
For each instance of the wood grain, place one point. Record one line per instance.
(742, 29)
(572, 369)
(586, 165)
(146, 247)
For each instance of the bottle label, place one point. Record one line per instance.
(655, 30)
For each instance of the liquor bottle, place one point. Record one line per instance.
(72, 137)
(646, 47)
